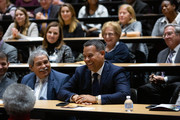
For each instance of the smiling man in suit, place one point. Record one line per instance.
(97, 82)
(45, 81)
(162, 85)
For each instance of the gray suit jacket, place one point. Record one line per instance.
(10, 51)
(162, 56)
(5, 82)
(53, 11)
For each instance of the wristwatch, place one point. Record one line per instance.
(97, 99)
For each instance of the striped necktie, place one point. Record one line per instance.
(171, 54)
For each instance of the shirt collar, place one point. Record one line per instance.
(175, 20)
(99, 71)
(177, 48)
(43, 80)
(117, 43)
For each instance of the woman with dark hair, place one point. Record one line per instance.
(21, 28)
(54, 45)
(171, 15)
(68, 21)
(90, 10)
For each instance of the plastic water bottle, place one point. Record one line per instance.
(128, 104)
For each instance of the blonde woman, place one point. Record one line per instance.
(21, 27)
(70, 24)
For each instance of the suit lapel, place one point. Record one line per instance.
(104, 75)
(177, 59)
(50, 86)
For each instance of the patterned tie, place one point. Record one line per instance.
(171, 54)
(169, 59)
(95, 86)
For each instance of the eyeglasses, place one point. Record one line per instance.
(109, 34)
(168, 34)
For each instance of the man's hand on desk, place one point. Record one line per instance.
(84, 99)
(156, 79)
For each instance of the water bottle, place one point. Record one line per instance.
(128, 104)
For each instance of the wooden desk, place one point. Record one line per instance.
(140, 67)
(45, 108)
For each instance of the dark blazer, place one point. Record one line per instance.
(120, 54)
(114, 84)
(5, 82)
(55, 82)
(52, 14)
(162, 56)
(141, 7)
(175, 95)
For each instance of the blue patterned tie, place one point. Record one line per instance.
(171, 54)
(95, 86)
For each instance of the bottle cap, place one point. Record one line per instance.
(128, 97)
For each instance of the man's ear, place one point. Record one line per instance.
(31, 67)
(102, 52)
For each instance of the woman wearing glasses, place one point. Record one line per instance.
(116, 51)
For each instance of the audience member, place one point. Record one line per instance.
(141, 7)
(54, 45)
(132, 28)
(90, 10)
(68, 21)
(4, 80)
(171, 15)
(7, 10)
(46, 11)
(116, 51)
(9, 50)
(110, 83)
(18, 101)
(27, 3)
(21, 28)
(45, 81)
(162, 85)
(57, 2)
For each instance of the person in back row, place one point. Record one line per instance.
(163, 84)
(68, 21)
(98, 81)
(45, 81)
(54, 45)
(116, 51)
(46, 11)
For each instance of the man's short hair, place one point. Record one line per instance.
(3, 55)
(176, 26)
(18, 99)
(36, 53)
(97, 43)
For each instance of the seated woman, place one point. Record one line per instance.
(54, 45)
(90, 10)
(21, 28)
(67, 19)
(116, 51)
(7, 9)
(171, 15)
(132, 28)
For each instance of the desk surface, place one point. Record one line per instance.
(103, 111)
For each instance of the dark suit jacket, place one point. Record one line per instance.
(52, 14)
(175, 95)
(141, 7)
(114, 84)
(162, 56)
(5, 82)
(55, 82)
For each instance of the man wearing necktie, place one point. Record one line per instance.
(45, 81)
(162, 85)
(97, 82)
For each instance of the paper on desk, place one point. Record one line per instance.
(1, 102)
(33, 38)
(84, 108)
